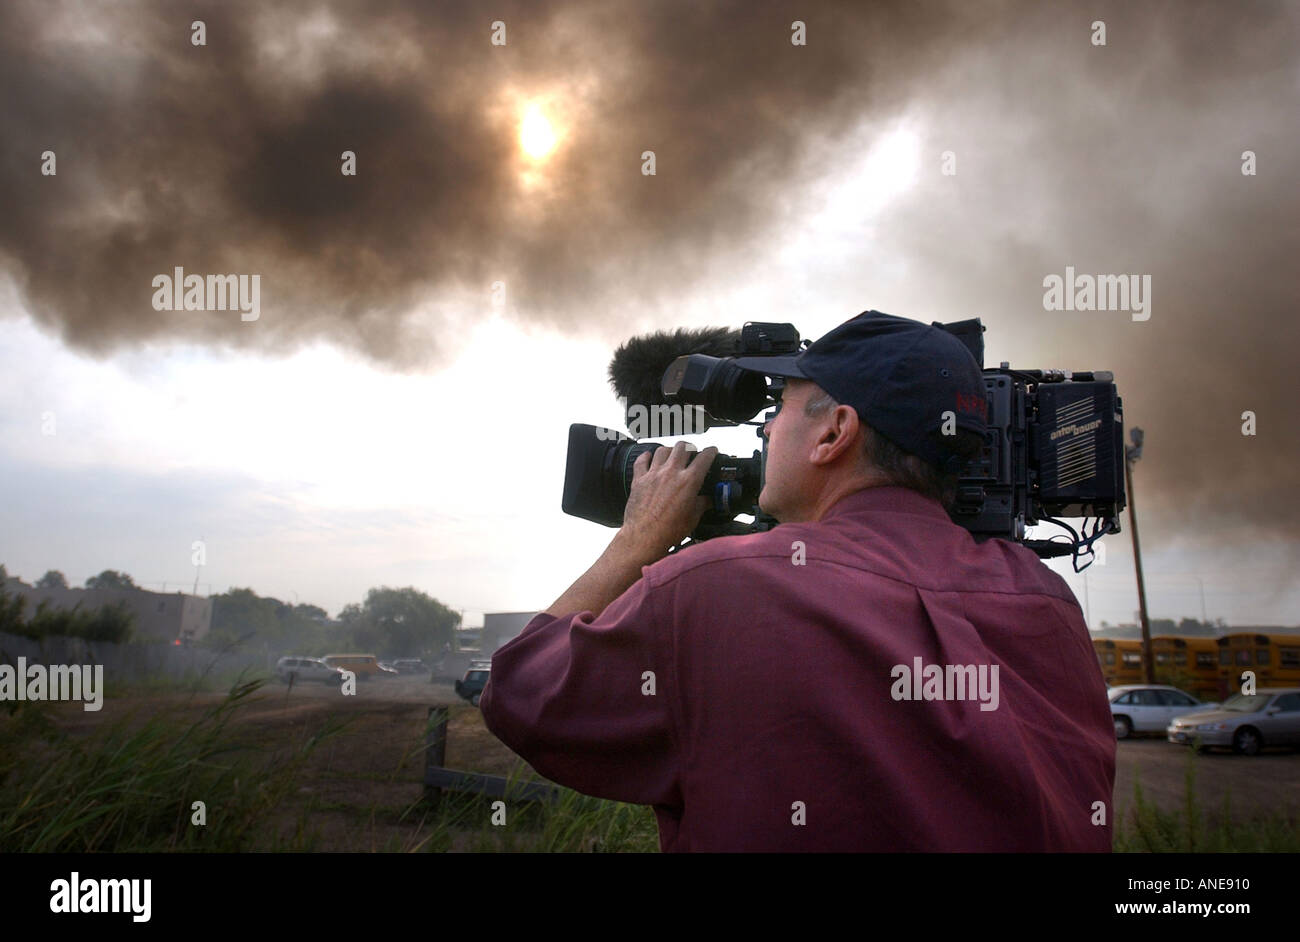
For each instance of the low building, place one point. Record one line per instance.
(467, 638)
(159, 616)
(500, 627)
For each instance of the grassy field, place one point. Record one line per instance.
(276, 770)
(303, 769)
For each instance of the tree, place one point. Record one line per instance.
(12, 620)
(106, 623)
(1162, 626)
(111, 579)
(314, 612)
(351, 617)
(1193, 626)
(53, 579)
(400, 622)
(243, 615)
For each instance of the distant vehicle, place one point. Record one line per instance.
(365, 666)
(1245, 723)
(408, 665)
(1207, 667)
(1149, 708)
(471, 685)
(306, 668)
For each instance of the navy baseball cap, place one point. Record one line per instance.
(901, 376)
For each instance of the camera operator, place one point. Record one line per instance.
(862, 677)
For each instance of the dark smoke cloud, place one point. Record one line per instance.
(1112, 159)
(226, 158)
(1127, 159)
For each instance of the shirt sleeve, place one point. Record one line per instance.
(582, 699)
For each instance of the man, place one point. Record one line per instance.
(864, 676)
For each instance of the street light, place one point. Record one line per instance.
(1131, 454)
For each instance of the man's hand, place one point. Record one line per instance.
(664, 503)
(663, 507)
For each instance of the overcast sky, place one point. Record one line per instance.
(389, 419)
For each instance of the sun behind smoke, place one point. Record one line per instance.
(536, 136)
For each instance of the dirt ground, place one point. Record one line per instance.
(1261, 784)
(363, 784)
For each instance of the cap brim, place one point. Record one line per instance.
(772, 366)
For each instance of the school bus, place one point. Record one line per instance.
(1275, 659)
(1210, 668)
(1120, 660)
(1286, 670)
(1190, 664)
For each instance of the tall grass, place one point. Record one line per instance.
(1194, 829)
(573, 823)
(207, 680)
(131, 786)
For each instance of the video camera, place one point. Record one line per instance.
(1054, 446)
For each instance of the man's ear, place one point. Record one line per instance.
(838, 436)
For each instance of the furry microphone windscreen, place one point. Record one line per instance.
(637, 370)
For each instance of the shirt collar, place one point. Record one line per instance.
(891, 499)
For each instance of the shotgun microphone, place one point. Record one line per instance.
(637, 370)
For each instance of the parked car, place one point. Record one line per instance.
(298, 669)
(365, 666)
(409, 665)
(1149, 708)
(1245, 723)
(471, 685)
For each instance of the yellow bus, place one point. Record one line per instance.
(1275, 659)
(1190, 664)
(1286, 669)
(1210, 668)
(1120, 660)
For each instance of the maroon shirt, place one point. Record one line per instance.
(780, 718)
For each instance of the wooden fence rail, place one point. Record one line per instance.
(438, 778)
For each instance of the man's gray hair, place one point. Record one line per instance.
(895, 466)
(818, 405)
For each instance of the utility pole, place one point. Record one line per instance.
(1131, 454)
(199, 559)
(1087, 609)
(1201, 583)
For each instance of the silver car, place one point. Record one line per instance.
(1245, 722)
(1149, 708)
(299, 669)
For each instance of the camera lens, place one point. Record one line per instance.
(726, 391)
